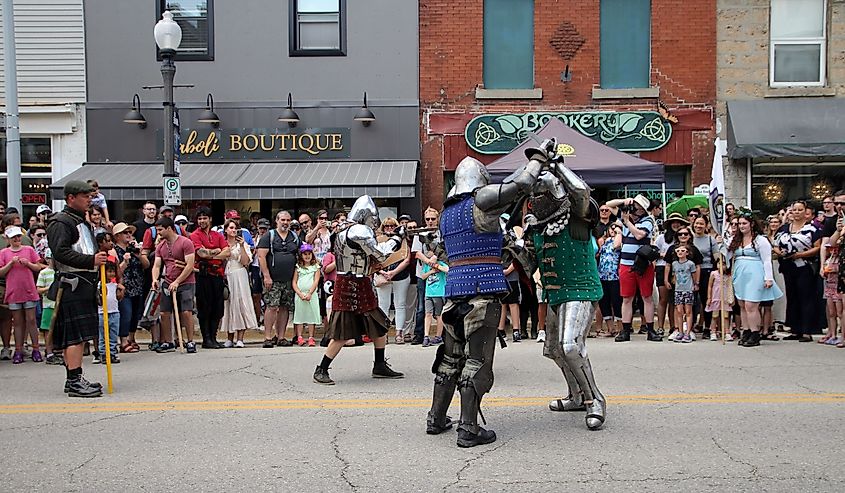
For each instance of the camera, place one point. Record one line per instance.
(132, 249)
(627, 209)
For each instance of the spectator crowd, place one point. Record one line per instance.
(186, 281)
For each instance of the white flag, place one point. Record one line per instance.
(717, 188)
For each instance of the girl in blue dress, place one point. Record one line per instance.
(753, 279)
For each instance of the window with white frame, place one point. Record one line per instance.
(797, 49)
(317, 27)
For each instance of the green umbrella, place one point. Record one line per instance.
(687, 202)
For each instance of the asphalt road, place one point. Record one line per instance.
(681, 417)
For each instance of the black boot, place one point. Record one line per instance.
(79, 387)
(746, 335)
(321, 375)
(624, 336)
(651, 335)
(383, 370)
(469, 433)
(753, 339)
(96, 385)
(437, 421)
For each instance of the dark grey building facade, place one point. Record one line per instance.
(249, 55)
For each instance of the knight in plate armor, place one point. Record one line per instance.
(475, 283)
(355, 310)
(561, 215)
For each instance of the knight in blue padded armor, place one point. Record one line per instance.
(475, 283)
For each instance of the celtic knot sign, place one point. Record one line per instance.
(631, 131)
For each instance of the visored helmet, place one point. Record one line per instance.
(470, 175)
(364, 212)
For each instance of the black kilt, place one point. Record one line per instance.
(77, 320)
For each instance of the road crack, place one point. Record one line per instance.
(470, 461)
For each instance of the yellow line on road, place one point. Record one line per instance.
(249, 405)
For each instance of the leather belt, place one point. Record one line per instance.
(475, 261)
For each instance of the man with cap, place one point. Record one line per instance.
(637, 231)
(256, 281)
(181, 222)
(76, 262)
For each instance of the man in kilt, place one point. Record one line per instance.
(76, 259)
(355, 310)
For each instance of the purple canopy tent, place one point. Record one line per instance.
(596, 163)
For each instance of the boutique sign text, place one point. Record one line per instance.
(631, 131)
(263, 143)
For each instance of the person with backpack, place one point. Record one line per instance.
(276, 253)
(638, 229)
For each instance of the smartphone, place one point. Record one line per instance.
(241, 233)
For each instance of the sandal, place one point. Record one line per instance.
(128, 348)
(823, 339)
(135, 345)
(841, 344)
(770, 337)
(805, 338)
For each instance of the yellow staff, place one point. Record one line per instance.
(104, 290)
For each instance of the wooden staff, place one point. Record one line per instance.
(177, 314)
(722, 317)
(104, 291)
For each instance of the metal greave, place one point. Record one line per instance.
(575, 317)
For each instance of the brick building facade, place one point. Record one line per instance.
(679, 64)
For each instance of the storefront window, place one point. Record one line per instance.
(774, 185)
(35, 155)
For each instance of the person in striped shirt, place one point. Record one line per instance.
(638, 229)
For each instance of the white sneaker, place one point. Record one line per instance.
(729, 337)
(5, 354)
(713, 336)
(228, 344)
(692, 336)
(541, 336)
(239, 344)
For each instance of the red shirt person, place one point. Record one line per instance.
(212, 250)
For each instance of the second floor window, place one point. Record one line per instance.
(797, 48)
(508, 44)
(196, 18)
(317, 27)
(625, 43)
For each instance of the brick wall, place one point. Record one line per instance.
(566, 32)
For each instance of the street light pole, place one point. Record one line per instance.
(168, 35)
(168, 72)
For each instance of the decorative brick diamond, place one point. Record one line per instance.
(567, 40)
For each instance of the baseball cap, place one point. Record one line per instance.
(13, 231)
(263, 223)
(404, 217)
(42, 209)
(180, 218)
(232, 214)
(74, 187)
(165, 208)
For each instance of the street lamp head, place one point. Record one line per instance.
(364, 115)
(208, 115)
(134, 115)
(288, 115)
(168, 34)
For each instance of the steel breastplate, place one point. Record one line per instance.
(85, 244)
(350, 258)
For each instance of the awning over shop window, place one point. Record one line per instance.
(289, 180)
(786, 128)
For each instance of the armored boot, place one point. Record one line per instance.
(437, 421)
(574, 401)
(469, 433)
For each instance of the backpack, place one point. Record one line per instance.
(273, 238)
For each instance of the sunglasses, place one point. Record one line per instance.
(323, 218)
(683, 234)
(39, 235)
(840, 203)
(431, 219)
(604, 210)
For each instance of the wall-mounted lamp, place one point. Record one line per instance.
(134, 115)
(364, 115)
(288, 115)
(566, 75)
(208, 115)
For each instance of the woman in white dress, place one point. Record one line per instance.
(238, 313)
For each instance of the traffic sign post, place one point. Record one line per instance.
(172, 190)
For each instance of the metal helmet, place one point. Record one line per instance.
(549, 203)
(364, 211)
(470, 175)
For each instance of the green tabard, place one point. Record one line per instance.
(568, 268)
